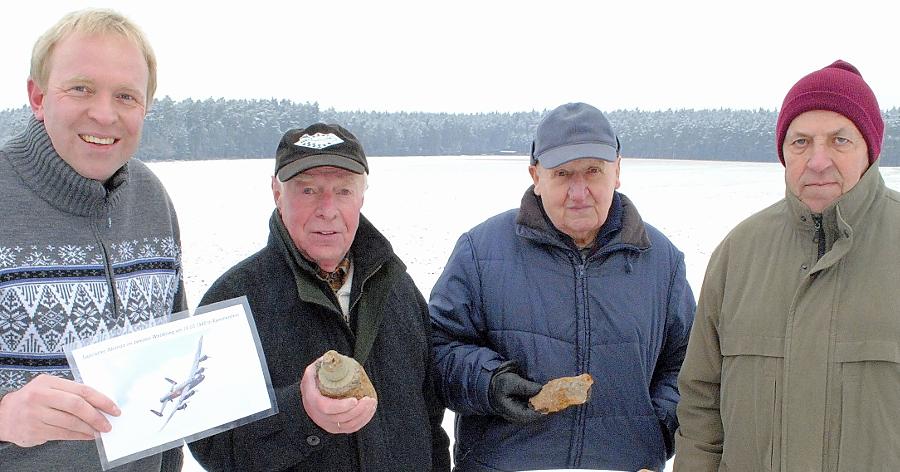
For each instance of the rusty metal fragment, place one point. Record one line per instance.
(342, 377)
(559, 394)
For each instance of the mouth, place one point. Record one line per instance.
(91, 139)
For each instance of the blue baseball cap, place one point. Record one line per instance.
(573, 131)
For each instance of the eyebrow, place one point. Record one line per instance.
(79, 79)
(843, 130)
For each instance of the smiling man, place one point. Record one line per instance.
(794, 361)
(571, 282)
(327, 279)
(89, 241)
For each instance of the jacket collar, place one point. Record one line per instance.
(533, 223)
(370, 251)
(375, 266)
(33, 158)
(839, 219)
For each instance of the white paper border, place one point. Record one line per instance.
(176, 336)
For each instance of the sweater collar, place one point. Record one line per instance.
(34, 159)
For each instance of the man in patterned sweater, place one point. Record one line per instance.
(89, 241)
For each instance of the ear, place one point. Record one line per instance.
(276, 191)
(536, 178)
(618, 168)
(36, 100)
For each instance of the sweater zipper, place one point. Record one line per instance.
(820, 235)
(107, 262)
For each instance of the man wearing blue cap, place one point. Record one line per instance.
(571, 282)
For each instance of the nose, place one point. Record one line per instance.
(326, 207)
(103, 110)
(578, 189)
(819, 159)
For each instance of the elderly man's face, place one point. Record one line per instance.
(824, 157)
(94, 103)
(320, 208)
(577, 195)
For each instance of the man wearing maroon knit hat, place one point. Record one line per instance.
(793, 363)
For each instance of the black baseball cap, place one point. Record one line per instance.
(318, 145)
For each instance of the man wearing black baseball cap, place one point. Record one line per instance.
(571, 282)
(327, 279)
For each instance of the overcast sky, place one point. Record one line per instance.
(488, 55)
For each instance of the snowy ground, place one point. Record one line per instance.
(423, 204)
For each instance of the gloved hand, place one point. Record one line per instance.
(509, 394)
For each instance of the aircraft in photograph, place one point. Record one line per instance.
(180, 392)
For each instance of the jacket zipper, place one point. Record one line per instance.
(820, 235)
(583, 343)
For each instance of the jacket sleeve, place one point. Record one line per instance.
(440, 442)
(462, 364)
(698, 442)
(664, 385)
(277, 442)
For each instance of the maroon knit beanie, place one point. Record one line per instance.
(839, 88)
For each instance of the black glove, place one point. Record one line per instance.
(509, 394)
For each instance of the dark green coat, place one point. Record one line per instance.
(298, 319)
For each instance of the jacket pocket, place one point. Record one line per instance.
(870, 404)
(750, 401)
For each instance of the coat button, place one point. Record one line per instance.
(313, 440)
(803, 267)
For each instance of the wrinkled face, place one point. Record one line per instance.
(577, 195)
(824, 157)
(93, 104)
(320, 208)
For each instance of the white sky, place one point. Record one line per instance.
(476, 56)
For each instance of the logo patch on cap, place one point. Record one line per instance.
(318, 140)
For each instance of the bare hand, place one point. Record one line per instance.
(337, 416)
(51, 408)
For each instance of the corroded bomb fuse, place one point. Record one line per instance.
(342, 377)
(559, 394)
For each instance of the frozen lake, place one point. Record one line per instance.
(423, 204)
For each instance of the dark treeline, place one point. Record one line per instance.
(217, 129)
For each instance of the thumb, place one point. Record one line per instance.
(524, 387)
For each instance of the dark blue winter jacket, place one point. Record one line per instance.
(516, 289)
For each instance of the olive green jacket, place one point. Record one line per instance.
(793, 362)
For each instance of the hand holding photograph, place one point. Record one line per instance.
(189, 378)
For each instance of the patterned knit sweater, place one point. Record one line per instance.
(77, 257)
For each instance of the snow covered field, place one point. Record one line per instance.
(423, 204)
